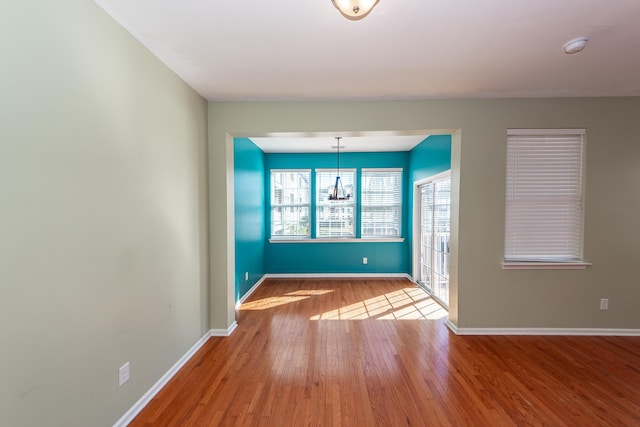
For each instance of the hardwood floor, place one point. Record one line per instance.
(356, 352)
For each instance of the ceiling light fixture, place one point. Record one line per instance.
(338, 193)
(354, 9)
(575, 45)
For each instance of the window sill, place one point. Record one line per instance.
(520, 265)
(339, 240)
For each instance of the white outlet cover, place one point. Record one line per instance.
(365, 260)
(123, 374)
(604, 304)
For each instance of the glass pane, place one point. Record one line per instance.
(335, 221)
(335, 218)
(435, 212)
(381, 203)
(290, 203)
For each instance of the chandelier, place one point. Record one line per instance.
(338, 193)
(354, 9)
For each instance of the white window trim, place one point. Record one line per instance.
(338, 240)
(381, 170)
(347, 203)
(513, 265)
(289, 205)
(579, 264)
(564, 131)
(289, 238)
(362, 206)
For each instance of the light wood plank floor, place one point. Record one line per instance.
(377, 353)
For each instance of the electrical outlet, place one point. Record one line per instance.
(123, 374)
(246, 276)
(365, 260)
(604, 304)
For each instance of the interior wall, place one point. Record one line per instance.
(103, 224)
(339, 257)
(255, 255)
(319, 257)
(485, 295)
(432, 156)
(250, 205)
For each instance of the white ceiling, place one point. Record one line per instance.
(405, 49)
(305, 50)
(322, 143)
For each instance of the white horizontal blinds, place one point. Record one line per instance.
(335, 218)
(381, 203)
(290, 203)
(544, 196)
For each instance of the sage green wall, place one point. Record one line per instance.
(483, 295)
(103, 216)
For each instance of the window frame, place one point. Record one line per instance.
(323, 203)
(354, 202)
(381, 205)
(515, 195)
(285, 206)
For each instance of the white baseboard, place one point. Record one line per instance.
(338, 275)
(605, 332)
(223, 332)
(250, 291)
(150, 394)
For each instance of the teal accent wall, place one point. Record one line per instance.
(431, 157)
(250, 203)
(257, 256)
(339, 257)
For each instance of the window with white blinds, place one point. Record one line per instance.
(544, 195)
(335, 218)
(381, 203)
(290, 203)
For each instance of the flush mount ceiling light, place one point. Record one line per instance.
(354, 9)
(575, 45)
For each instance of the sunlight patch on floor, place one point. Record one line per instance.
(310, 292)
(267, 303)
(403, 304)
